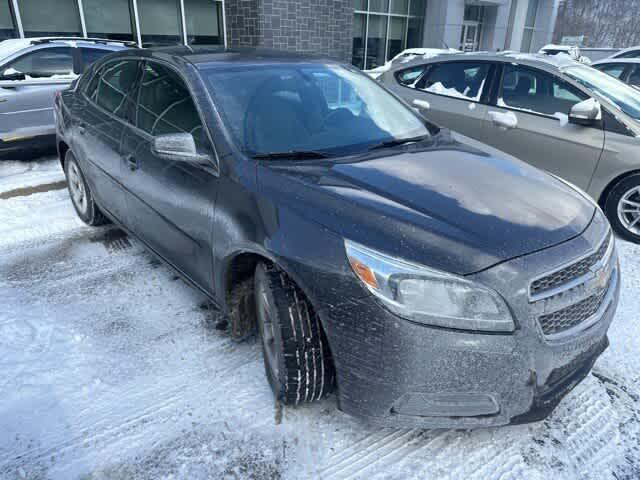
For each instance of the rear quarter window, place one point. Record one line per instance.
(408, 76)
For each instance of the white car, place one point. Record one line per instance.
(632, 52)
(408, 55)
(31, 71)
(572, 51)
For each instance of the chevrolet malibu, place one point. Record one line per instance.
(406, 268)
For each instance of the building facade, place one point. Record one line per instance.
(364, 32)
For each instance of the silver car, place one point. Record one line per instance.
(31, 71)
(557, 114)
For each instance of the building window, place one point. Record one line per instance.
(160, 22)
(529, 26)
(204, 21)
(7, 24)
(50, 18)
(472, 28)
(384, 28)
(113, 19)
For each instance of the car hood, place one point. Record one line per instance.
(449, 205)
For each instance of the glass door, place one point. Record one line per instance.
(470, 38)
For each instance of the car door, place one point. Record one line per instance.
(170, 203)
(101, 116)
(26, 105)
(530, 121)
(451, 94)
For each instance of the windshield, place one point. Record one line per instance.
(307, 107)
(620, 94)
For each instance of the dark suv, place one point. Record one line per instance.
(429, 281)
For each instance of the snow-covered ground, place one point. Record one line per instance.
(112, 368)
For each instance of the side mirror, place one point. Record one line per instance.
(586, 113)
(178, 147)
(11, 75)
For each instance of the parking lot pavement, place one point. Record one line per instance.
(112, 368)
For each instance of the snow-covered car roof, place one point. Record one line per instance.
(407, 56)
(552, 62)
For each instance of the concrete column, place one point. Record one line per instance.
(518, 25)
(496, 23)
(443, 23)
(545, 24)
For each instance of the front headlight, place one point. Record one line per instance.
(429, 296)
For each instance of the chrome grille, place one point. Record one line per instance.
(573, 315)
(570, 297)
(570, 273)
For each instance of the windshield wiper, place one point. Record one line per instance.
(397, 141)
(293, 154)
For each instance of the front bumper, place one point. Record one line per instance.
(392, 372)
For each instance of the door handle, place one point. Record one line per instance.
(3, 99)
(504, 120)
(132, 162)
(421, 104)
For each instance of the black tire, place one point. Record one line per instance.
(300, 369)
(614, 199)
(86, 209)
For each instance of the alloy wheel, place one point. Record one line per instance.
(77, 188)
(629, 210)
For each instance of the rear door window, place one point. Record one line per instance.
(166, 106)
(464, 80)
(47, 62)
(535, 91)
(112, 87)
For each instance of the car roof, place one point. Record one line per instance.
(212, 54)
(12, 46)
(606, 61)
(546, 62)
(625, 50)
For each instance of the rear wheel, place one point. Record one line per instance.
(296, 353)
(623, 208)
(80, 193)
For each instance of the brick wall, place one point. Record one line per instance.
(307, 26)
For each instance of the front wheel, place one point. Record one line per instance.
(622, 207)
(80, 193)
(296, 353)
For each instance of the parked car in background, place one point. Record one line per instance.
(408, 55)
(428, 281)
(632, 52)
(557, 114)
(31, 71)
(626, 70)
(571, 51)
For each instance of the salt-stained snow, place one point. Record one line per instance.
(112, 368)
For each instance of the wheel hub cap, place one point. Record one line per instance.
(268, 337)
(629, 210)
(77, 188)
